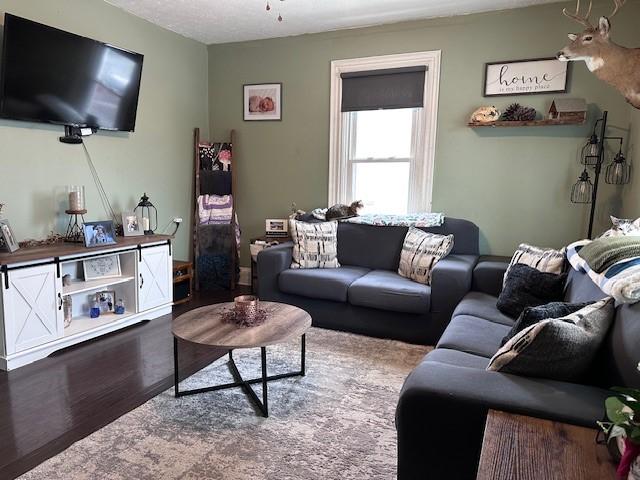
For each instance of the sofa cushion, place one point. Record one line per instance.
(387, 290)
(557, 348)
(528, 287)
(379, 248)
(458, 358)
(420, 253)
(473, 335)
(478, 304)
(323, 283)
(542, 259)
(315, 245)
(533, 315)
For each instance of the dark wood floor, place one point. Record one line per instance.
(50, 404)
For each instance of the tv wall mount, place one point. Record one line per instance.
(73, 135)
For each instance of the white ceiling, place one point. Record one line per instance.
(222, 21)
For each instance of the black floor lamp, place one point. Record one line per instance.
(592, 156)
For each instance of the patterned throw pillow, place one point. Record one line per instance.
(545, 260)
(420, 253)
(557, 348)
(315, 245)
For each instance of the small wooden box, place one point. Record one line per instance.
(182, 281)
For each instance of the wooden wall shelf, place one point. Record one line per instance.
(531, 123)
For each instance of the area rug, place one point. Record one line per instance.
(337, 422)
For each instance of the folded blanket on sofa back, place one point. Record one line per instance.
(604, 252)
(621, 280)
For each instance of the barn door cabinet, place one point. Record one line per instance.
(32, 294)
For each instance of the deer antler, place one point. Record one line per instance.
(618, 5)
(584, 19)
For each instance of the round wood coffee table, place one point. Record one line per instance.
(205, 326)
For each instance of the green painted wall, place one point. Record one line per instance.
(156, 158)
(631, 200)
(513, 183)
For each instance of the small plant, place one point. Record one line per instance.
(623, 412)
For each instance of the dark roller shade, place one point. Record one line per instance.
(383, 89)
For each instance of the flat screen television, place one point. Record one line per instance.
(49, 75)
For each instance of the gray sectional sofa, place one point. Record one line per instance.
(366, 295)
(444, 402)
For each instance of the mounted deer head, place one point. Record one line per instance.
(619, 66)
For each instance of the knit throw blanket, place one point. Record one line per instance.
(604, 252)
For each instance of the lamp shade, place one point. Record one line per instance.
(618, 172)
(589, 155)
(582, 190)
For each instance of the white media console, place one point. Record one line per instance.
(32, 294)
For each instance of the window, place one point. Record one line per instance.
(379, 156)
(383, 157)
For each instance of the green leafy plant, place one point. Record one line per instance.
(623, 412)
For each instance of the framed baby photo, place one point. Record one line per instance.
(131, 224)
(97, 234)
(262, 101)
(8, 240)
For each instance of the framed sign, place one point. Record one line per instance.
(107, 266)
(525, 77)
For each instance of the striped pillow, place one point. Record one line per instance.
(315, 245)
(420, 253)
(545, 260)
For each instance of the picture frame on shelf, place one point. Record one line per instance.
(131, 224)
(97, 234)
(8, 239)
(107, 266)
(533, 76)
(276, 227)
(262, 101)
(106, 301)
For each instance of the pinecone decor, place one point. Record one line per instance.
(516, 112)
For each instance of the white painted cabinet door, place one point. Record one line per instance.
(155, 285)
(32, 307)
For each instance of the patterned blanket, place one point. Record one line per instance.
(215, 209)
(411, 220)
(621, 280)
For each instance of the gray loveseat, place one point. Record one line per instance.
(444, 402)
(366, 295)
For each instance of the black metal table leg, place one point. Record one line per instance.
(175, 367)
(303, 370)
(265, 404)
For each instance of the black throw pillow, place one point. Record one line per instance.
(527, 287)
(533, 315)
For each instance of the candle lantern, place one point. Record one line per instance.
(76, 209)
(76, 197)
(148, 215)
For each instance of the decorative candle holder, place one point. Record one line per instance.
(76, 213)
(76, 198)
(246, 312)
(246, 306)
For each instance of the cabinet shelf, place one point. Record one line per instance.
(85, 323)
(80, 286)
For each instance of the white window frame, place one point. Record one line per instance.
(427, 119)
